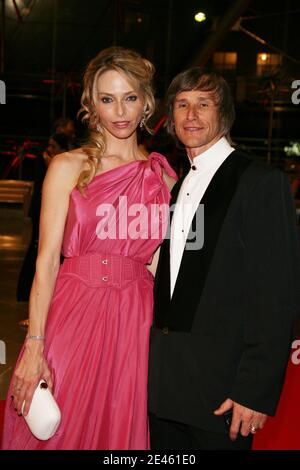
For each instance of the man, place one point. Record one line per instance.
(224, 312)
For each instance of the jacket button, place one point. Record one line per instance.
(165, 330)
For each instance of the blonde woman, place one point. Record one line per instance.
(89, 319)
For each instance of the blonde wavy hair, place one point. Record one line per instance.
(139, 72)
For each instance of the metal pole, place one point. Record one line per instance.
(20, 152)
(286, 27)
(271, 121)
(224, 25)
(168, 43)
(116, 18)
(2, 36)
(64, 109)
(265, 43)
(53, 66)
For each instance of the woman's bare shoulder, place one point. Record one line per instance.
(68, 166)
(73, 161)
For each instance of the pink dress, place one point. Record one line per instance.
(97, 335)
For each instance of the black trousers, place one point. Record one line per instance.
(170, 435)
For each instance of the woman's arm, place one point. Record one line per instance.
(153, 266)
(169, 180)
(59, 181)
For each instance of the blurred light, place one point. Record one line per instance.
(199, 17)
(263, 57)
(9, 4)
(139, 20)
(293, 150)
(20, 5)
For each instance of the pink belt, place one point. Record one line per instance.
(105, 270)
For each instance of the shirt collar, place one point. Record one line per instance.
(213, 156)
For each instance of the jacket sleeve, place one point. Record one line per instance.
(272, 293)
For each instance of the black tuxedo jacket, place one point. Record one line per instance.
(227, 331)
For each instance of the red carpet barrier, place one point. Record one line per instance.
(281, 432)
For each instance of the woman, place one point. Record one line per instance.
(90, 318)
(58, 142)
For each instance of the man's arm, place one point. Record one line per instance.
(272, 293)
(272, 256)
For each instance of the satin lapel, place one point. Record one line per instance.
(216, 200)
(162, 289)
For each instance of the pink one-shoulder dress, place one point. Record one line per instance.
(97, 333)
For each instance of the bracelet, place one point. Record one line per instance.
(36, 337)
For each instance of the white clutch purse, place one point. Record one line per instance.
(44, 415)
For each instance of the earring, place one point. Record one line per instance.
(142, 123)
(98, 127)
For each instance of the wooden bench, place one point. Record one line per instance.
(15, 191)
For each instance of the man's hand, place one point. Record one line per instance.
(244, 420)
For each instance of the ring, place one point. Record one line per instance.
(252, 429)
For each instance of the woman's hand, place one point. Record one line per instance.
(30, 370)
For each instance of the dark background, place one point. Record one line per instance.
(48, 44)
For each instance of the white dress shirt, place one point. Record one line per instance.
(191, 192)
